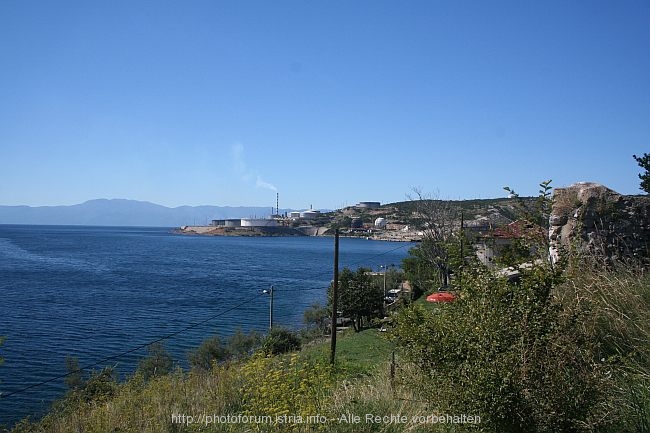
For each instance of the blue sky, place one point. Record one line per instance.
(329, 103)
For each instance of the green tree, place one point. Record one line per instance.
(280, 340)
(74, 380)
(315, 317)
(240, 345)
(158, 362)
(419, 271)
(439, 220)
(644, 163)
(100, 386)
(359, 298)
(210, 351)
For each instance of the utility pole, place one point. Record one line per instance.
(270, 292)
(335, 294)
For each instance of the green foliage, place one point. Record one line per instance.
(241, 345)
(315, 317)
(393, 277)
(280, 340)
(644, 163)
(538, 211)
(515, 355)
(428, 270)
(74, 380)
(419, 271)
(616, 299)
(513, 254)
(279, 387)
(213, 350)
(158, 362)
(389, 275)
(209, 352)
(100, 386)
(359, 298)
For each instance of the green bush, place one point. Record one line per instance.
(74, 380)
(280, 340)
(241, 345)
(210, 351)
(157, 363)
(510, 353)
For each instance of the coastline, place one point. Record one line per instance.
(386, 235)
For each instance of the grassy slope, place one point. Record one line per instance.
(356, 353)
(360, 386)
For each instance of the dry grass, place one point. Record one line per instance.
(613, 301)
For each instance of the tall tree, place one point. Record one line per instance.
(439, 220)
(358, 297)
(158, 362)
(644, 163)
(75, 378)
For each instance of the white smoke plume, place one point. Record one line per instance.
(247, 174)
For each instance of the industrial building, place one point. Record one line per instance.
(244, 222)
(226, 223)
(380, 223)
(310, 214)
(368, 205)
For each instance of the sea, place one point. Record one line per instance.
(101, 294)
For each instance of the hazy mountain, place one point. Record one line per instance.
(119, 212)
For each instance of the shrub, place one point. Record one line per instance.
(157, 363)
(241, 345)
(210, 351)
(280, 340)
(510, 353)
(74, 379)
(286, 386)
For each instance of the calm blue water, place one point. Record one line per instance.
(94, 292)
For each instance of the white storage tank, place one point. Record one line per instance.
(233, 223)
(258, 222)
(380, 223)
(369, 205)
(309, 214)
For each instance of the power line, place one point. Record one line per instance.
(119, 355)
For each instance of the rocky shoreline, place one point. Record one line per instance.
(289, 232)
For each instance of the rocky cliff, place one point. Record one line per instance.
(589, 217)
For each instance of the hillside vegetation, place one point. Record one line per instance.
(543, 348)
(563, 349)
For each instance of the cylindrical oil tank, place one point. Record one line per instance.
(369, 205)
(257, 222)
(309, 214)
(233, 223)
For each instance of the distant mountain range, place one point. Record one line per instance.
(120, 212)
